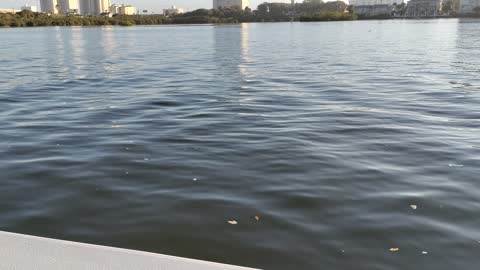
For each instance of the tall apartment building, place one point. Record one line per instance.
(230, 3)
(94, 7)
(68, 6)
(49, 6)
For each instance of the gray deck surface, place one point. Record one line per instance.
(22, 252)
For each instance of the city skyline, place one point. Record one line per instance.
(155, 6)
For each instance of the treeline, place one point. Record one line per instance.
(269, 12)
(28, 18)
(309, 10)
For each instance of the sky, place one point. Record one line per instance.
(151, 5)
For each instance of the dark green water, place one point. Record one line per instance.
(328, 132)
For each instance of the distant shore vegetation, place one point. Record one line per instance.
(313, 10)
(308, 11)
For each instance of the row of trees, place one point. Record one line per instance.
(28, 18)
(269, 12)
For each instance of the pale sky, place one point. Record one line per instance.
(151, 5)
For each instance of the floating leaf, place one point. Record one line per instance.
(394, 249)
(413, 206)
(233, 222)
(257, 218)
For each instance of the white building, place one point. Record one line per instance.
(68, 6)
(29, 8)
(121, 9)
(230, 3)
(114, 9)
(49, 6)
(128, 10)
(468, 6)
(8, 11)
(172, 11)
(94, 7)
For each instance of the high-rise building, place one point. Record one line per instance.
(49, 6)
(230, 3)
(68, 6)
(94, 7)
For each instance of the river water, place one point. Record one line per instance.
(345, 139)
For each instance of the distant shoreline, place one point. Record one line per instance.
(30, 19)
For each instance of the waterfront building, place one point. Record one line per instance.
(29, 8)
(8, 11)
(423, 8)
(121, 9)
(230, 3)
(94, 7)
(49, 6)
(374, 7)
(68, 6)
(114, 9)
(172, 11)
(468, 6)
(127, 10)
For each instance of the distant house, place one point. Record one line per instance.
(423, 8)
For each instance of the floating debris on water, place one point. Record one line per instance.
(146, 159)
(195, 179)
(394, 249)
(424, 252)
(233, 222)
(257, 218)
(455, 165)
(413, 206)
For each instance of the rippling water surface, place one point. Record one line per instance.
(152, 138)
